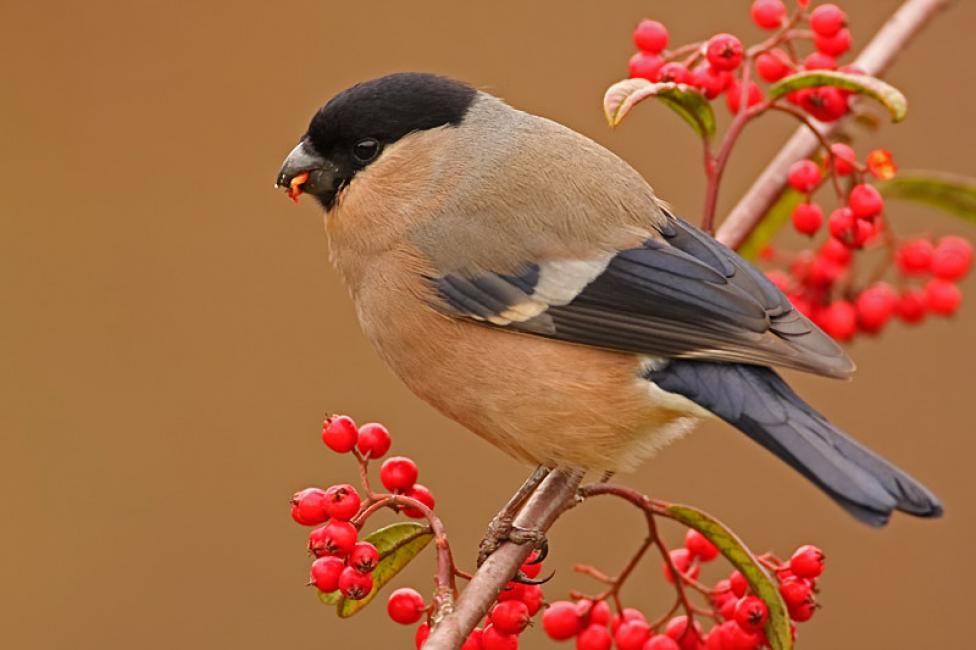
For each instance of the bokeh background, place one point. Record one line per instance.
(172, 332)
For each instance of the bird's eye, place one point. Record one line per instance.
(366, 150)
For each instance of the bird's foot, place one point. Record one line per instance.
(502, 528)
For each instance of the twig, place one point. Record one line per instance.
(554, 495)
(874, 59)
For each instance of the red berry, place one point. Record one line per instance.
(355, 585)
(874, 306)
(398, 473)
(334, 538)
(734, 97)
(727, 609)
(826, 103)
(363, 557)
(802, 612)
(807, 218)
(661, 642)
(630, 614)
(339, 433)
(650, 36)
(865, 201)
(807, 562)
(795, 591)
(342, 502)
(422, 494)
(911, 306)
(600, 613)
(738, 584)
(734, 637)
(835, 45)
(561, 621)
(308, 507)
(721, 592)
(712, 82)
(823, 272)
(674, 72)
(839, 320)
(804, 176)
(845, 159)
(509, 617)
(842, 225)
(683, 562)
(724, 52)
(594, 637)
(492, 639)
(405, 606)
(374, 440)
(827, 20)
(768, 14)
(952, 258)
(531, 595)
(751, 613)
(325, 573)
(475, 640)
(819, 61)
(530, 568)
(942, 297)
(645, 65)
(914, 257)
(699, 546)
(422, 633)
(772, 66)
(687, 638)
(835, 251)
(632, 635)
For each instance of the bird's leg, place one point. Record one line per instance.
(501, 529)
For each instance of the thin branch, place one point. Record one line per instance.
(890, 40)
(553, 496)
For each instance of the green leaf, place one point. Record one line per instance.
(777, 217)
(951, 193)
(687, 102)
(765, 587)
(889, 96)
(397, 544)
(331, 598)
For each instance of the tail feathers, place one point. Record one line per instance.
(757, 401)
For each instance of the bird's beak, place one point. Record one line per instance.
(305, 170)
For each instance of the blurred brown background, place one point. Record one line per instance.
(173, 332)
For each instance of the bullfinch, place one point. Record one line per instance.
(527, 283)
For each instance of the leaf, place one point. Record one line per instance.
(331, 598)
(889, 96)
(687, 102)
(777, 217)
(397, 544)
(948, 192)
(765, 587)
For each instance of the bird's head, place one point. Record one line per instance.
(353, 129)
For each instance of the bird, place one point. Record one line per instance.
(528, 283)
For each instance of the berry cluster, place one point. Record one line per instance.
(715, 67)
(739, 615)
(823, 284)
(510, 615)
(343, 562)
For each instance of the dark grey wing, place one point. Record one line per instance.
(758, 402)
(683, 295)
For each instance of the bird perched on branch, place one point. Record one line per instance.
(527, 283)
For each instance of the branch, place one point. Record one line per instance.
(552, 497)
(874, 59)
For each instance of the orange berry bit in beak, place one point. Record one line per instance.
(295, 186)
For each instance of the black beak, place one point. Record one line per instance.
(323, 175)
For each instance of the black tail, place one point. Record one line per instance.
(757, 401)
